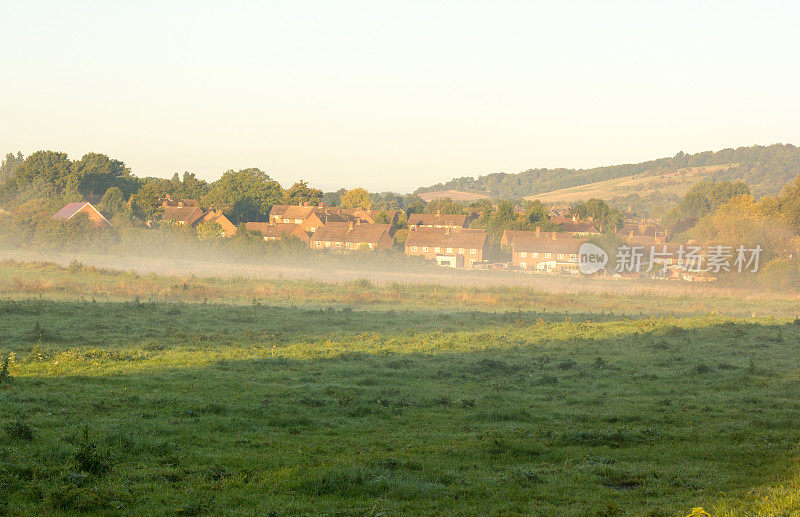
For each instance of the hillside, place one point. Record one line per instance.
(455, 195)
(646, 184)
(765, 169)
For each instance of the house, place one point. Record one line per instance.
(216, 216)
(277, 231)
(576, 227)
(543, 252)
(351, 236)
(371, 216)
(70, 210)
(313, 217)
(456, 246)
(182, 214)
(436, 221)
(168, 200)
(290, 213)
(643, 231)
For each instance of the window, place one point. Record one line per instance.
(424, 249)
(524, 254)
(449, 250)
(474, 252)
(461, 250)
(413, 248)
(437, 249)
(523, 265)
(560, 255)
(319, 244)
(535, 254)
(572, 256)
(547, 255)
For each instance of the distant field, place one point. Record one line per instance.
(146, 394)
(455, 195)
(677, 182)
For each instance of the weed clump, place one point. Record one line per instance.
(19, 430)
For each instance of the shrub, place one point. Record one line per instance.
(89, 458)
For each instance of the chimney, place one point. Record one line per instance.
(350, 225)
(630, 236)
(538, 230)
(575, 218)
(555, 236)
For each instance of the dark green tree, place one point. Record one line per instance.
(300, 193)
(245, 195)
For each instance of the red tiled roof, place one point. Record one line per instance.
(185, 214)
(546, 242)
(446, 238)
(436, 220)
(276, 230)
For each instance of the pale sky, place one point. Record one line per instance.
(394, 95)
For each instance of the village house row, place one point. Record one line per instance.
(444, 238)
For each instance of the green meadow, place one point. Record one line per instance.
(303, 398)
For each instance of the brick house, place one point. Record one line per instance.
(576, 227)
(216, 216)
(544, 252)
(351, 236)
(188, 213)
(313, 217)
(277, 231)
(70, 210)
(436, 221)
(465, 247)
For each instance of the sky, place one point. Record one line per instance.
(394, 95)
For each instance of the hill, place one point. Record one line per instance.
(455, 195)
(646, 184)
(765, 169)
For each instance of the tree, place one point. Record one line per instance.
(535, 213)
(209, 230)
(702, 199)
(599, 211)
(788, 203)
(356, 198)
(144, 203)
(333, 198)
(245, 195)
(444, 206)
(44, 174)
(300, 193)
(112, 203)
(383, 218)
(97, 173)
(9, 165)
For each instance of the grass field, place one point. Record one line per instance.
(358, 399)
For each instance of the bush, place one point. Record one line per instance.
(5, 375)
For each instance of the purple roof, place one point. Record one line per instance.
(69, 210)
